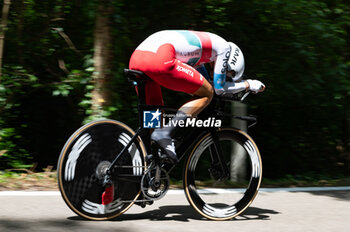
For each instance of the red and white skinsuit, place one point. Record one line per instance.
(171, 57)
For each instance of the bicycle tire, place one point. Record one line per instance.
(200, 186)
(78, 173)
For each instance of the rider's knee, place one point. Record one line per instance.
(206, 92)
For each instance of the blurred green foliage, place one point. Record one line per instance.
(300, 49)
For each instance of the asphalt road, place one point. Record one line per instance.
(271, 211)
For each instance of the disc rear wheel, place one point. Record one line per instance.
(83, 163)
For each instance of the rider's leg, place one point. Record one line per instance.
(163, 136)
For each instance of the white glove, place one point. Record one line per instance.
(256, 86)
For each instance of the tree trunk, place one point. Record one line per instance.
(19, 48)
(5, 11)
(102, 57)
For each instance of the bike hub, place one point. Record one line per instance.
(102, 169)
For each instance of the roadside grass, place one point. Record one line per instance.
(23, 179)
(291, 181)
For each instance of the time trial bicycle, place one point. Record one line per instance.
(105, 166)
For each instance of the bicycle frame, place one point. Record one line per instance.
(139, 80)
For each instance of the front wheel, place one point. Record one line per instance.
(220, 187)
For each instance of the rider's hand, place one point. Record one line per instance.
(256, 86)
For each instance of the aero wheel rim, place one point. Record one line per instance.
(226, 201)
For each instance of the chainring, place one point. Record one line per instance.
(154, 188)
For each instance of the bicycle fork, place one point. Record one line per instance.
(219, 169)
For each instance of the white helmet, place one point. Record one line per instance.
(235, 61)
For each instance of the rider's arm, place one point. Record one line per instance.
(234, 87)
(222, 50)
(220, 84)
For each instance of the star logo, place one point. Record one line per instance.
(155, 115)
(151, 118)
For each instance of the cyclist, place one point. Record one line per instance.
(175, 60)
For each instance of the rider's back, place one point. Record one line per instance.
(191, 47)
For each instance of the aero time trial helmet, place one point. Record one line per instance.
(235, 61)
